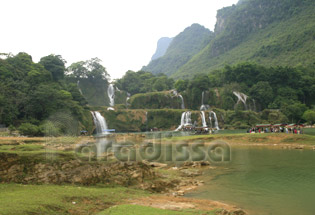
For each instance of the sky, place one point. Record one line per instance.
(122, 33)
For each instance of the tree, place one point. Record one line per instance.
(78, 70)
(55, 65)
(181, 85)
(309, 116)
(96, 70)
(88, 69)
(263, 93)
(29, 129)
(294, 111)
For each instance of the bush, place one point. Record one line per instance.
(29, 129)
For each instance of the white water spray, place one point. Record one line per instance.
(203, 119)
(241, 98)
(100, 123)
(216, 123)
(185, 120)
(182, 99)
(111, 94)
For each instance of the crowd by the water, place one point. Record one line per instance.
(288, 130)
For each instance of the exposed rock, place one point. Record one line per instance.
(154, 164)
(16, 169)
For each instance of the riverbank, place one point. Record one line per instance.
(42, 184)
(47, 164)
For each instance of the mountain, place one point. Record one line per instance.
(161, 48)
(270, 33)
(183, 47)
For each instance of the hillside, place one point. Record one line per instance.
(279, 32)
(183, 47)
(161, 48)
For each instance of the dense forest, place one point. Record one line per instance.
(31, 93)
(261, 50)
(34, 95)
(270, 33)
(288, 89)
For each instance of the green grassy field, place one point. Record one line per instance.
(138, 209)
(54, 199)
(66, 199)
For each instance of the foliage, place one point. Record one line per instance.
(31, 92)
(183, 47)
(55, 65)
(29, 129)
(270, 33)
(142, 82)
(309, 116)
(92, 69)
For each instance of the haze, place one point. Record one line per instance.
(122, 33)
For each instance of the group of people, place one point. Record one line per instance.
(287, 130)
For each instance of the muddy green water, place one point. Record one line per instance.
(264, 181)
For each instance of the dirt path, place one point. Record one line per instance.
(180, 203)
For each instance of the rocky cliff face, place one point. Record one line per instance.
(243, 32)
(183, 47)
(161, 48)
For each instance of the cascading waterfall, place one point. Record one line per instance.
(111, 94)
(203, 119)
(185, 120)
(128, 98)
(182, 99)
(203, 107)
(210, 119)
(100, 123)
(78, 82)
(216, 123)
(241, 98)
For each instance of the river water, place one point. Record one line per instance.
(263, 181)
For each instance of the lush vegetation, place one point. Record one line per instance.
(185, 45)
(56, 199)
(291, 90)
(142, 82)
(37, 98)
(273, 33)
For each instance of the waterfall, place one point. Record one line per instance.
(203, 119)
(185, 120)
(128, 98)
(203, 107)
(241, 98)
(216, 123)
(100, 123)
(183, 104)
(78, 82)
(210, 118)
(111, 94)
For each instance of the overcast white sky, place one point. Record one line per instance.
(122, 33)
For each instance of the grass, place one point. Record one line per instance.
(138, 209)
(54, 199)
(309, 131)
(267, 138)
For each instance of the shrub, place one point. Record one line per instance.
(29, 129)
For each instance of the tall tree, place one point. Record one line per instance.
(54, 64)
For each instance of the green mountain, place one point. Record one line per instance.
(270, 33)
(162, 46)
(182, 48)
